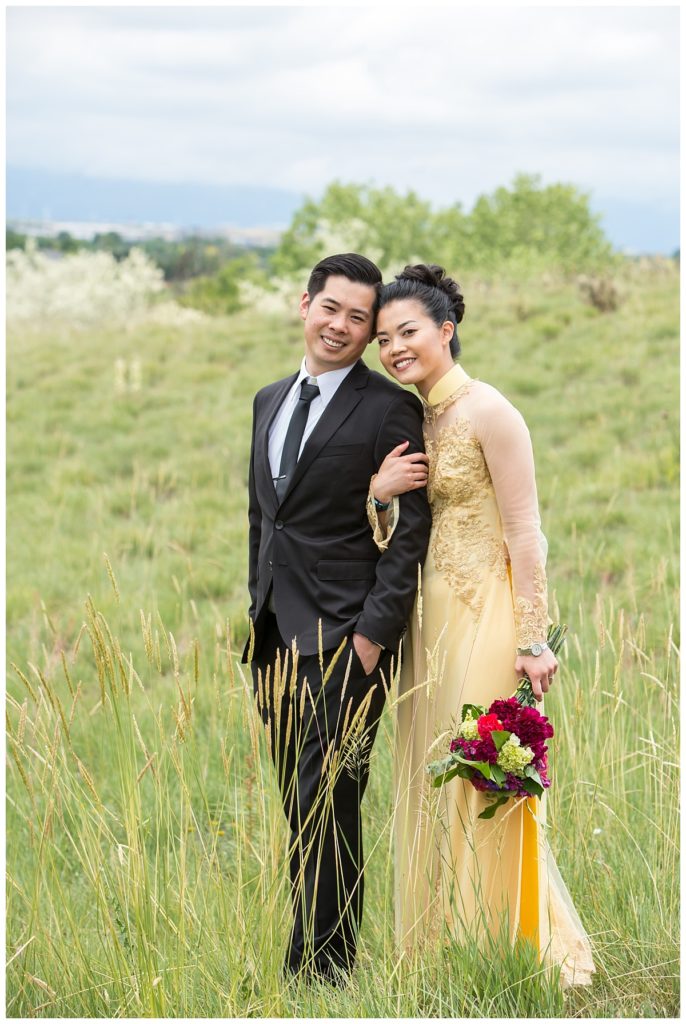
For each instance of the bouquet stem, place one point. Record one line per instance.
(524, 693)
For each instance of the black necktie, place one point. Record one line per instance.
(294, 436)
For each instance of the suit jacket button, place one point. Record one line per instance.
(269, 564)
(278, 525)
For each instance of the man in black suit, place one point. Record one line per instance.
(327, 607)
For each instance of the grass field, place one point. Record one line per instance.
(146, 843)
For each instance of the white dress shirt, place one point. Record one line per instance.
(328, 383)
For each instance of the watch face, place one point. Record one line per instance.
(536, 649)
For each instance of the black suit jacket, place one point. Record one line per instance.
(315, 547)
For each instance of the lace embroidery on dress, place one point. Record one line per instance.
(463, 547)
(432, 412)
(531, 617)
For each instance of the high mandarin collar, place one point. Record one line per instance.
(447, 385)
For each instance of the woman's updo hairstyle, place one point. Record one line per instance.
(440, 295)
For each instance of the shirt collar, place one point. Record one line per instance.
(326, 382)
(447, 385)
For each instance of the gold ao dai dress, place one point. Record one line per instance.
(483, 593)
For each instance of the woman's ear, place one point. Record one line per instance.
(447, 333)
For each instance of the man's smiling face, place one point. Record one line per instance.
(338, 323)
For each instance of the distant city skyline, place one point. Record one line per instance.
(197, 104)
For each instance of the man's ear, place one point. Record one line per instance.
(304, 305)
(372, 335)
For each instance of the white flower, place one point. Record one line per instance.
(513, 757)
(468, 729)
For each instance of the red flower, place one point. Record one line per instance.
(487, 724)
(529, 724)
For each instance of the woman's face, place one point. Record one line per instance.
(412, 348)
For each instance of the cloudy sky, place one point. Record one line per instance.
(449, 101)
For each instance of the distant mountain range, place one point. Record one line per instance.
(44, 195)
(33, 194)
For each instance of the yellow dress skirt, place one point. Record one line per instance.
(454, 871)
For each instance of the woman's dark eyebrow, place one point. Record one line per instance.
(398, 328)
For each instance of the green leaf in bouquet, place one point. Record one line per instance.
(460, 770)
(500, 738)
(464, 760)
(440, 780)
(531, 773)
(481, 766)
(532, 787)
(476, 711)
(438, 767)
(497, 774)
(493, 807)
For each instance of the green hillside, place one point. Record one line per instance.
(156, 887)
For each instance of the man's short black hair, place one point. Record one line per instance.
(348, 264)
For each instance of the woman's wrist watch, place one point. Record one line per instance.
(535, 649)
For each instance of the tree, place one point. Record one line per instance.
(220, 293)
(66, 243)
(13, 240)
(111, 241)
(530, 225)
(525, 228)
(389, 228)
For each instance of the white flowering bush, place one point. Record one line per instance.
(351, 236)
(171, 314)
(83, 288)
(280, 297)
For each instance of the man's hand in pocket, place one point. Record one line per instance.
(368, 652)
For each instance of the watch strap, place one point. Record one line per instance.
(535, 649)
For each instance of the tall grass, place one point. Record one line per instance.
(146, 842)
(146, 867)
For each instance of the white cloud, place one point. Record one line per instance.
(449, 101)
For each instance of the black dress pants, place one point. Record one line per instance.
(320, 731)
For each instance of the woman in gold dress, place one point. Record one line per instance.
(480, 623)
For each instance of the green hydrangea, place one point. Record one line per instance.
(514, 758)
(468, 729)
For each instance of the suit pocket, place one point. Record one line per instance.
(332, 450)
(348, 570)
(360, 666)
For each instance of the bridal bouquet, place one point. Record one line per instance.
(501, 750)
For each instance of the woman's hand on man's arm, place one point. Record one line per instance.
(400, 473)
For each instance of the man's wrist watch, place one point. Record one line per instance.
(382, 506)
(535, 649)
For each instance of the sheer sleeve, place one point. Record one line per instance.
(382, 530)
(506, 444)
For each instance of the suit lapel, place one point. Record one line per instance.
(348, 395)
(262, 438)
